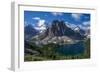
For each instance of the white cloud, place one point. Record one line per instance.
(86, 23)
(84, 27)
(76, 16)
(57, 13)
(41, 22)
(40, 25)
(66, 22)
(36, 18)
(40, 29)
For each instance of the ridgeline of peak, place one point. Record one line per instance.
(59, 28)
(58, 32)
(29, 31)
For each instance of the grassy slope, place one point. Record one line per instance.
(47, 52)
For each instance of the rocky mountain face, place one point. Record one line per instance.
(59, 28)
(58, 32)
(79, 30)
(29, 32)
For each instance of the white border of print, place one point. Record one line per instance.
(17, 60)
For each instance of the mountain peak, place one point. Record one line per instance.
(58, 32)
(59, 29)
(29, 31)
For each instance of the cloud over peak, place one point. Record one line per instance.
(57, 13)
(36, 18)
(76, 16)
(40, 25)
(86, 23)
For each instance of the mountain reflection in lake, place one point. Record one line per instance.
(72, 49)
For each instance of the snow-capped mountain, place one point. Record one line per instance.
(40, 26)
(58, 32)
(83, 30)
(29, 31)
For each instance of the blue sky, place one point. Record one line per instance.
(37, 18)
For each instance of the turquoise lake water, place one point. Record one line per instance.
(71, 49)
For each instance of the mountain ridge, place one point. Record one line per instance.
(58, 32)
